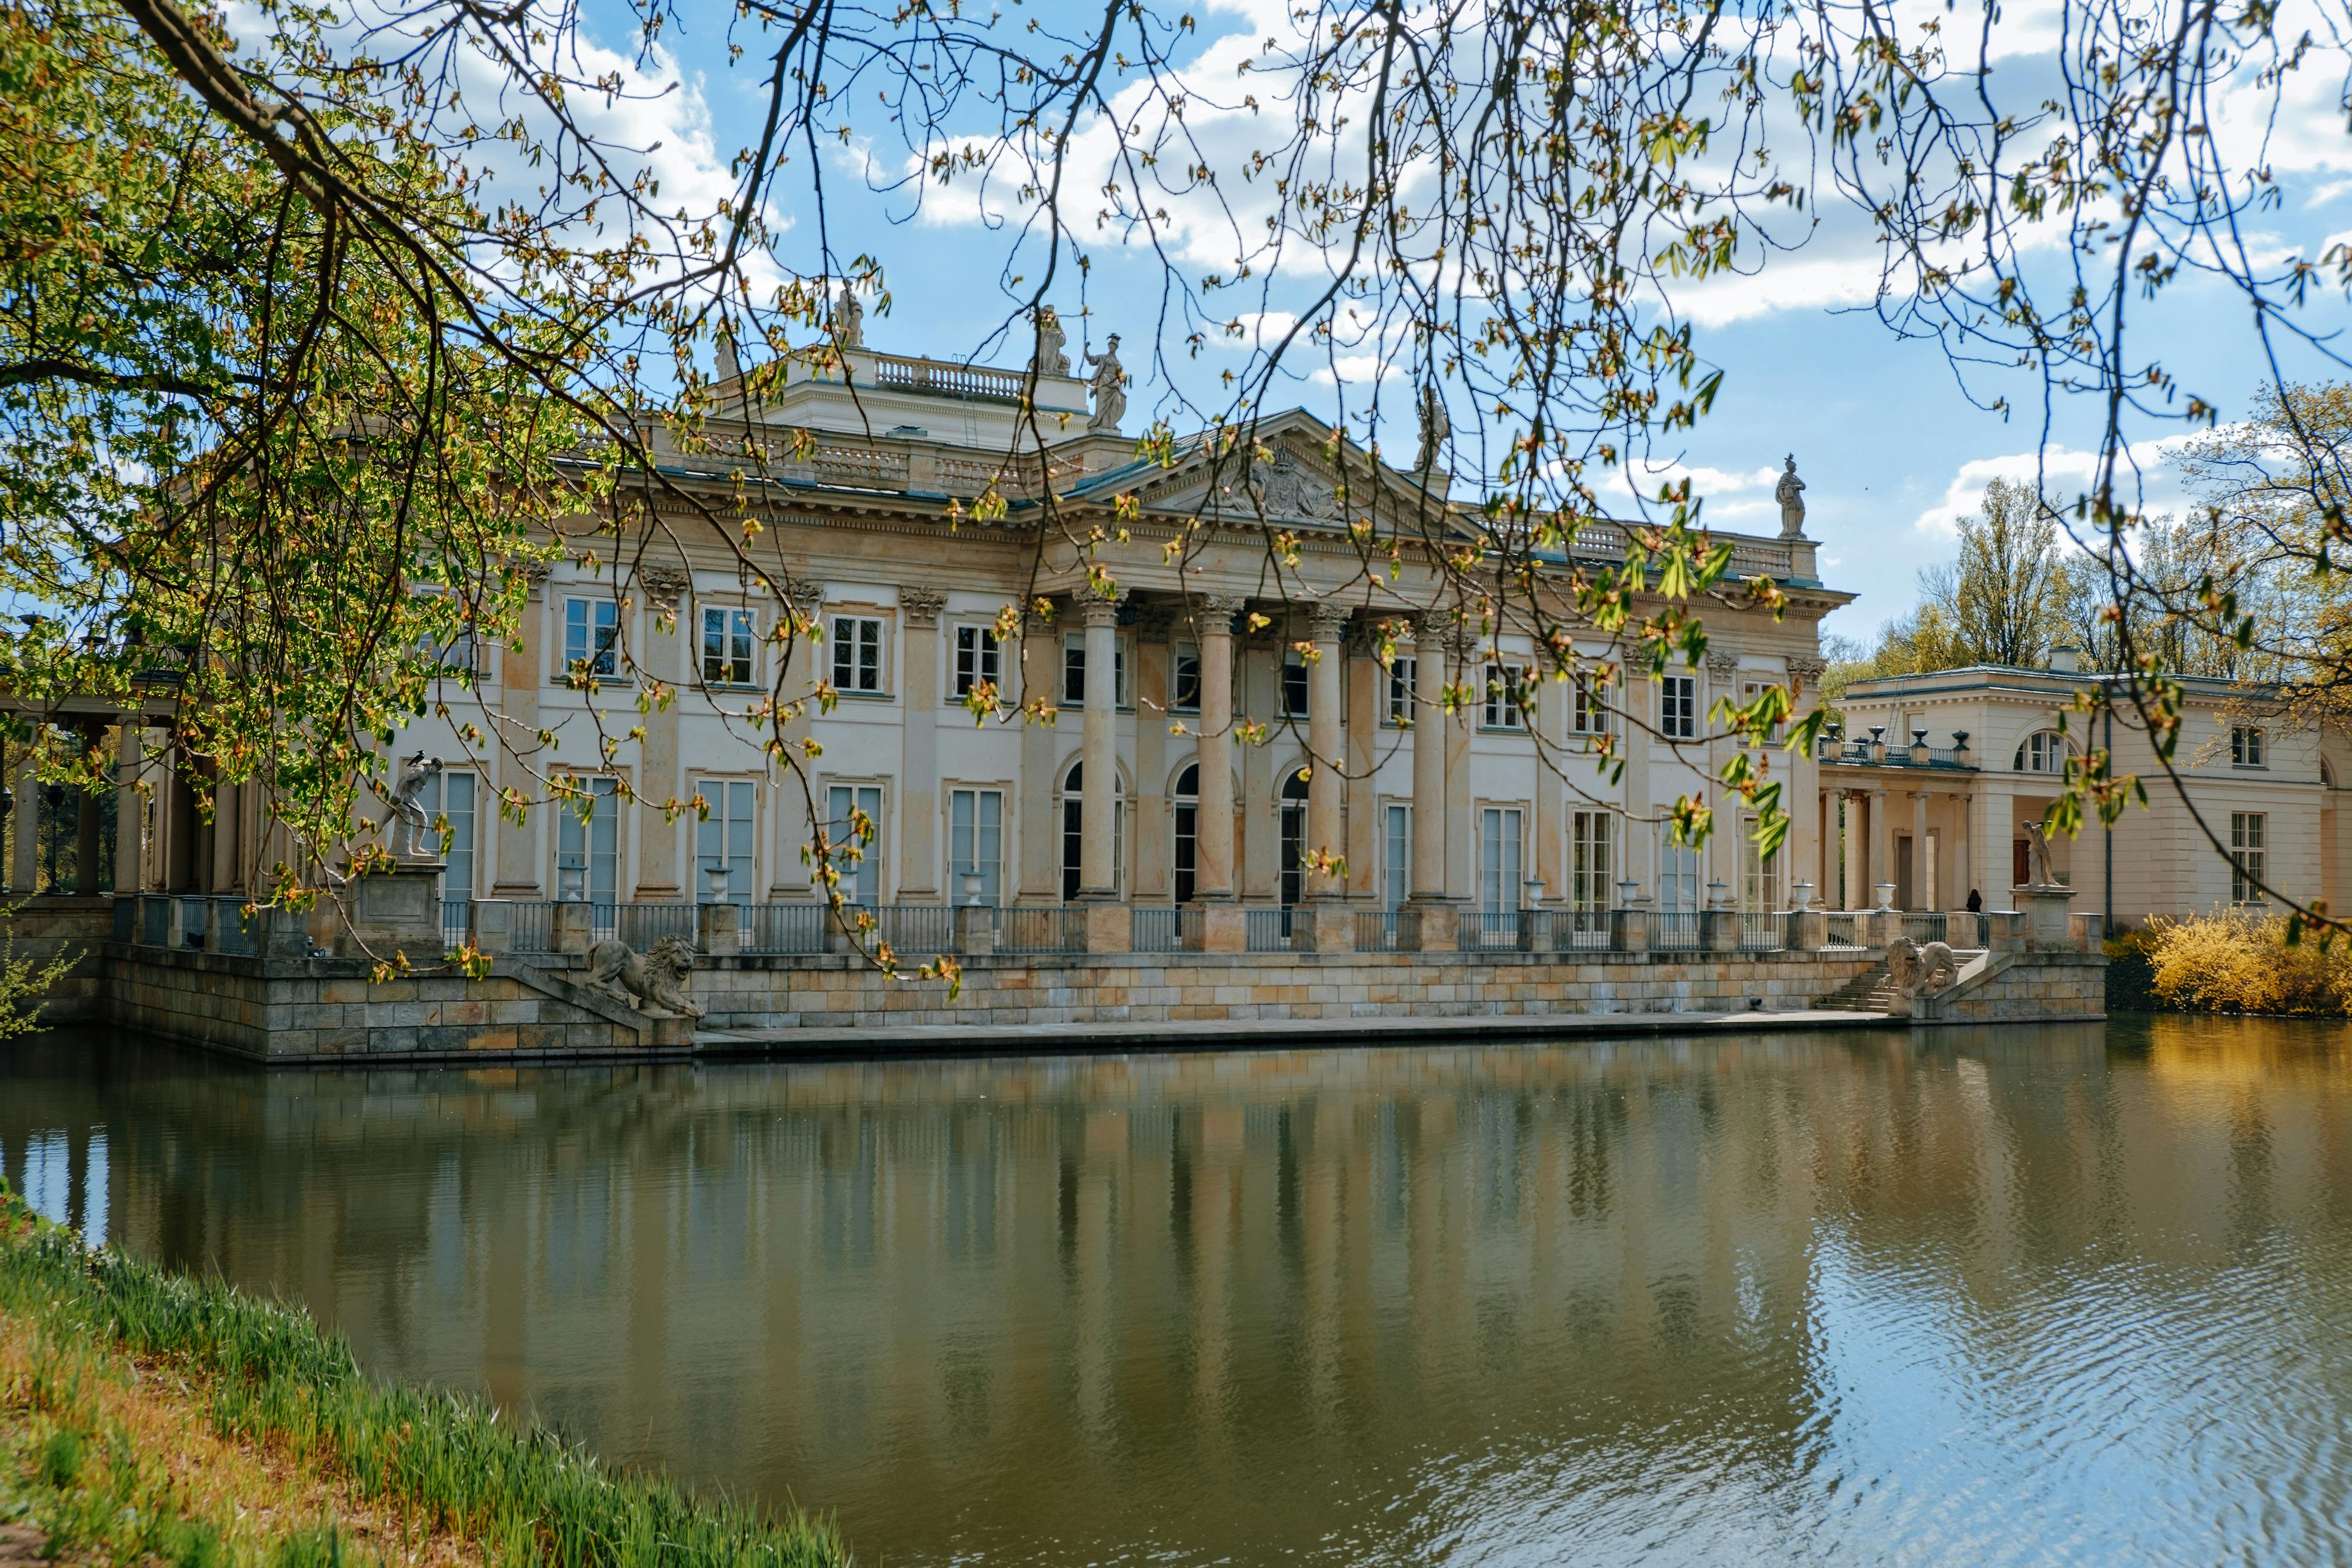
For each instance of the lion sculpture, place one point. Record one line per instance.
(1921, 971)
(654, 984)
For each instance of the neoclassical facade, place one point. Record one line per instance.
(1185, 701)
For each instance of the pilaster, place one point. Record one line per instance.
(918, 771)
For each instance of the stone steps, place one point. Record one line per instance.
(1872, 991)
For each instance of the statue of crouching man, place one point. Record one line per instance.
(654, 984)
(1916, 971)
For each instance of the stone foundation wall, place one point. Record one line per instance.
(46, 927)
(2036, 987)
(763, 993)
(314, 1008)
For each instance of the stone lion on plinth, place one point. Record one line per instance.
(654, 984)
(1916, 970)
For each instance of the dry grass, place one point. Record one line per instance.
(2233, 962)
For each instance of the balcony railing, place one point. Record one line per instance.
(1490, 930)
(1763, 931)
(1674, 929)
(787, 928)
(457, 922)
(1580, 930)
(984, 383)
(1054, 928)
(640, 925)
(1924, 926)
(237, 933)
(1376, 931)
(1845, 929)
(1265, 930)
(1162, 930)
(192, 920)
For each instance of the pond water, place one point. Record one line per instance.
(2072, 1294)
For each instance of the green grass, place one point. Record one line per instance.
(529, 1498)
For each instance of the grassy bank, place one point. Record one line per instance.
(146, 1417)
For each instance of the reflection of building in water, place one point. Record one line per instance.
(902, 1289)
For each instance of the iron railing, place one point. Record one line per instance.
(1580, 930)
(1376, 931)
(1925, 926)
(1265, 930)
(457, 922)
(1489, 930)
(1674, 929)
(1165, 930)
(1763, 931)
(1964, 929)
(787, 928)
(155, 921)
(914, 928)
(531, 926)
(1845, 929)
(126, 917)
(192, 921)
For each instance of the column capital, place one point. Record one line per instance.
(1214, 612)
(923, 605)
(806, 595)
(663, 583)
(1327, 622)
(1096, 610)
(1722, 666)
(1806, 671)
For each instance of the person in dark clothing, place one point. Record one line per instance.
(1976, 901)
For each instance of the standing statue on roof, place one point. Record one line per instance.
(849, 319)
(1049, 360)
(1109, 387)
(1790, 493)
(1437, 429)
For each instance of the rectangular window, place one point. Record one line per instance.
(1503, 697)
(727, 643)
(859, 863)
(2246, 747)
(1749, 692)
(448, 802)
(1294, 685)
(976, 843)
(1401, 673)
(1590, 837)
(857, 653)
(1677, 872)
(587, 841)
(1586, 713)
(1678, 707)
(1498, 859)
(1184, 678)
(1073, 671)
(1759, 873)
(2249, 836)
(977, 658)
(592, 635)
(722, 839)
(1396, 871)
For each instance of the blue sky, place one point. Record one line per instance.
(1890, 448)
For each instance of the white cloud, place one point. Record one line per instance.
(2063, 473)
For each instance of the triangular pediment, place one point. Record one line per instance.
(1284, 471)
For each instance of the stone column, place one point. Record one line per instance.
(25, 822)
(1466, 666)
(1325, 788)
(1882, 848)
(1857, 870)
(129, 815)
(788, 877)
(660, 879)
(1548, 835)
(1721, 855)
(1801, 790)
(1326, 927)
(1097, 872)
(516, 870)
(86, 825)
(1991, 811)
(1367, 694)
(1221, 924)
(1038, 806)
(919, 769)
(227, 813)
(1923, 895)
(1428, 920)
(1154, 821)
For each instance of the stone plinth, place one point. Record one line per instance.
(1323, 926)
(1962, 928)
(1428, 926)
(1110, 927)
(2046, 908)
(975, 928)
(719, 929)
(1718, 930)
(1222, 928)
(493, 925)
(1629, 930)
(397, 910)
(1809, 930)
(2088, 931)
(572, 928)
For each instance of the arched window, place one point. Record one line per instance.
(1073, 831)
(1188, 822)
(2044, 751)
(1294, 832)
(2326, 775)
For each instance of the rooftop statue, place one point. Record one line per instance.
(1049, 360)
(1790, 493)
(1437, 429)
(1109, 387)
(849, 320)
